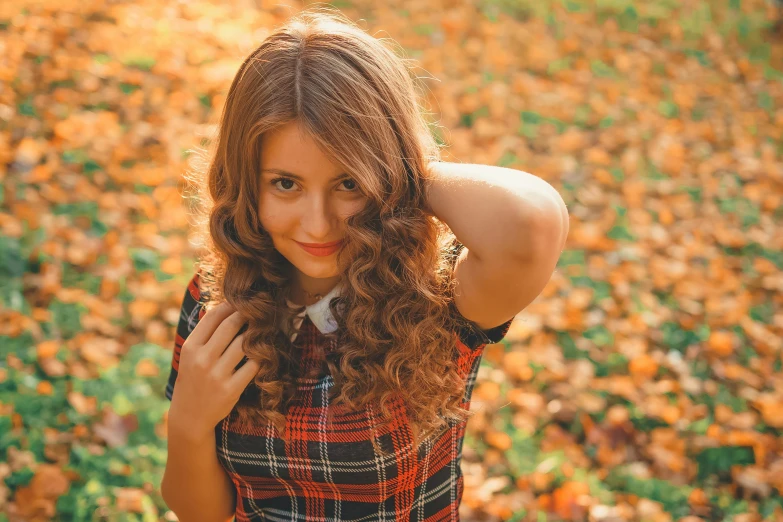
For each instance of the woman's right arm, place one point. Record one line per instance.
(207, 351)
(195, 486)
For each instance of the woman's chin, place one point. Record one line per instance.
(317, 270)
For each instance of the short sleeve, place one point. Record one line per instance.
(474, 337)
(191, 311)
(470, 334)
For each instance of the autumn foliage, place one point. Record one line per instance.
(645, 383)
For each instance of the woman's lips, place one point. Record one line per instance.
(328, 250)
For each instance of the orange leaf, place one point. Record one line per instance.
(721, 343)
(47, 349)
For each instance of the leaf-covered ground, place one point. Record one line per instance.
(644, 384)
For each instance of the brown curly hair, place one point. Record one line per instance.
(396, 317)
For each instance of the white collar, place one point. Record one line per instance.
(319, 312)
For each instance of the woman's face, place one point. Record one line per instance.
(304, 198)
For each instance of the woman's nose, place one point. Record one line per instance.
(317, 219)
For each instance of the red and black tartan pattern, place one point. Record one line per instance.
(335, 474)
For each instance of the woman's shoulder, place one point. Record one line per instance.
(198, 286)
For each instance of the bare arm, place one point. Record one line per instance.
(208, 385)
(513, 226)
(496, 211)
(195, 486)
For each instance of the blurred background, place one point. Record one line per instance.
(644, 384)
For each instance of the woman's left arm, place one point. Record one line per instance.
(514, 226)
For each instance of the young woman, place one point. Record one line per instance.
(351, 281)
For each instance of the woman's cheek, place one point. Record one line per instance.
(352, 207)
(270, 215)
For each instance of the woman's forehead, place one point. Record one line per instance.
(290, 150)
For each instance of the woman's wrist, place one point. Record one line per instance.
(188, 431)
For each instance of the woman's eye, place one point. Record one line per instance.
(354, 184)
(282, 180)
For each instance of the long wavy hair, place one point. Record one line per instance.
(396, 317)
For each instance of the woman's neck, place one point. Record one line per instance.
(302, 297)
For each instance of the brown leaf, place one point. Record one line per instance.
(130, 499)
(114, 429)
(82, 404)
(36, 501)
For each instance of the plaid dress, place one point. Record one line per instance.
(335, 474)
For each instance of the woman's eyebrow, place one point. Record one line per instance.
(282, 172)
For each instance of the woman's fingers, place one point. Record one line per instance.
(244, 375)
(226, 362)
(223, 335)
(216, 334)
(206, 327)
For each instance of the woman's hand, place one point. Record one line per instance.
(207, 386)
